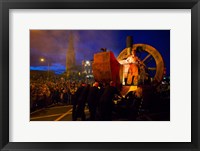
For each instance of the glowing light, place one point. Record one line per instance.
(87, 63)
(42, 60)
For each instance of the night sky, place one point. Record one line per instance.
(52, 45)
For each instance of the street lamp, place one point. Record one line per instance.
(44, 60)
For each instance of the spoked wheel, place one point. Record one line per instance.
(150, 60)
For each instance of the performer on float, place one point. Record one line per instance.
(133, 61)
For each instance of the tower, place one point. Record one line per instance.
(70, 55)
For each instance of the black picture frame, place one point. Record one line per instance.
(5, 5)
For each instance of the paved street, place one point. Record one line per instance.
(62, 112)
(54, 113)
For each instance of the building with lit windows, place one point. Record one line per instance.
(87, 68)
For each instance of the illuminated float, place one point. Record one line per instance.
(136, 65)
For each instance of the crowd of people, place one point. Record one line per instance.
(54, 90)
(97, 97)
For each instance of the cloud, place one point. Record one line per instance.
(50, 44)
(53, 44)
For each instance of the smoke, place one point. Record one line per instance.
(49, 44)
(53, 44)
(91, 41)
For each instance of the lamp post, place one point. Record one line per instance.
(44, 60)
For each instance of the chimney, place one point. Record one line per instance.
(129, 42)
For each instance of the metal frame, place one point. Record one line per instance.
(5, 5)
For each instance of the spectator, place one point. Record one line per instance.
(93, 98)
(81, 103)
(105, 107)
(75, 101)
(65, 96)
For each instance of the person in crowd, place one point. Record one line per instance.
(41, 98)
(68, 94)
(75, 100)
(92, 99)
(56, 95)
(102, 87)
(46, 92)
(65, 96)
(80, 112)
(134, 102)
(105, 107)
(33, 98)
(61, 95)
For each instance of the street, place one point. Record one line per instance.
(54, 113)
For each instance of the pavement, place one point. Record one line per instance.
(54, 113)
(63, 112)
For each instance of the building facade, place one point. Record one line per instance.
(87, 68)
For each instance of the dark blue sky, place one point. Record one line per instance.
(52, 45)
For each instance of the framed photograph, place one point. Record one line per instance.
(72, 83)
(99, 75)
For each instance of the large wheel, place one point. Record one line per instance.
(150, 58)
